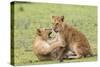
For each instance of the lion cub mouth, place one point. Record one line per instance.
(49, 35)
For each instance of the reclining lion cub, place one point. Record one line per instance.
(44, 46)
(74, 40)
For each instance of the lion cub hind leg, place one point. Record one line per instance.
(77, 50)
(69, 53)
(77, 56)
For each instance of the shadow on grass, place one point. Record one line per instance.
(87, 59)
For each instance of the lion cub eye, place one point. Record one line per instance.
(57, 23)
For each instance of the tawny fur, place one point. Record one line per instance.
(43, 46)
(74, 40)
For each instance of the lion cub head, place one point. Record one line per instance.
(58, 23)
(44, 33)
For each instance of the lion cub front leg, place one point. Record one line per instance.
(55, 46)
(60, 54)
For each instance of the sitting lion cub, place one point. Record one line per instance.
(44, 46)
(74, 40)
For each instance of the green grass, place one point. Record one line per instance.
(30, 16)
(69, 60)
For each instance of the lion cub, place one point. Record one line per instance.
(43, 46)
(75, 41)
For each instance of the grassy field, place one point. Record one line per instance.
(30, 16)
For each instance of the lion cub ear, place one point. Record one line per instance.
(53, 17)
(39, 32)
(62, 18)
